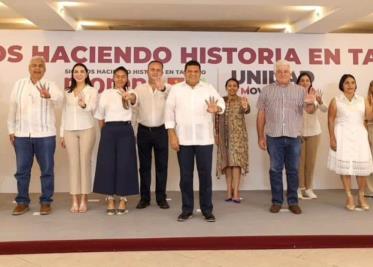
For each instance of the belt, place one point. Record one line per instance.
(152, 128)
(117, 122)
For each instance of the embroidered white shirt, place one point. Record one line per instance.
(30, 115)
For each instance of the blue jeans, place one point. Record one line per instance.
(284, 151)
(43, 148)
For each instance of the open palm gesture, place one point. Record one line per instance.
(244, 103)
(43, 90)
(212, 105)
(310, 97)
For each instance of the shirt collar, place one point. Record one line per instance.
(346, 99)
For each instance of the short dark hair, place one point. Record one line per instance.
(192, 63)
(343, 79)
(234, 80)
(121, 68)
(155, 61)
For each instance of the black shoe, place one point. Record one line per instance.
(184, 216)
(163, 204)
(142, 204)
(210, 217)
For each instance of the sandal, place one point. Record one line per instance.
(122, 207)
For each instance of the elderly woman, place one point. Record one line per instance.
(116, 170)
(231, 138)
(310, 140)
(349, 152)
(78, 134)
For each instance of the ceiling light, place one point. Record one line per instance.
(17, 21)
(69, 4)
(305, 8)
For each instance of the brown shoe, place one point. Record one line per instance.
(20, 209)
(45, 209)
(275, 208)
(295, 209)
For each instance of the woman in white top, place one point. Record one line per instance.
(349, 152)
(310, 140)
(116, 169)
(78, 134)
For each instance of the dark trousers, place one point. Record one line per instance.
(284, 152)
(203, 156)
(116, 168)
(149, 138)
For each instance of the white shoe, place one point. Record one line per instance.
(299, 192)
(309, 193)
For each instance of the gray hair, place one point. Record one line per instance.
(37, 58)
(283, 62)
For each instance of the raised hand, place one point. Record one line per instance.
(244, 103)
(159, 83)
(212, 105)
(121, 92)
(310, 97)
(319, 97)
(81, 101)
(43, 90)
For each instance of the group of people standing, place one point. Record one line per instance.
(190, 116)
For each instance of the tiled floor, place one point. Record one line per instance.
(255, 258)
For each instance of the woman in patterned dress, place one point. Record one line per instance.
(231, 138)
(349, 152)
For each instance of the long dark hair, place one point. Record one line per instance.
(309, 77)
(73, 81)
(121, 68)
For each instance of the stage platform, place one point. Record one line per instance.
(323, 223)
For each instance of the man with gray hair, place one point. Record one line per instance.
(279, 126)
(32, 132)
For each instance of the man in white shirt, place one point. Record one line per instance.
(32, 131)
(189, 119)
(152, 135)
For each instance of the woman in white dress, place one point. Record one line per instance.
(349, 152)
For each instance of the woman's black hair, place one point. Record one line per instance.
(343, 79)
(121, 68)
(305, 73)
(234, 80)
(73, 81)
